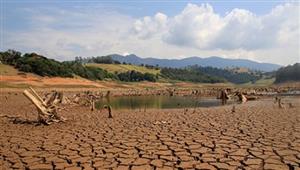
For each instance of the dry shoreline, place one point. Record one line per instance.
(258, 135)
(176, 91)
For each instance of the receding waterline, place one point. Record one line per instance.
(158, 102)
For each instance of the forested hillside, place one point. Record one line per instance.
(288, 73)
(101, 68)
(231, 76)
(40, 65)
(190, 75)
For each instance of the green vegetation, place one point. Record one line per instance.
(231, 76)
(191, 75)
(40, 65)
(102, 59)
(261, 82)
(209, 75)
(288, 73)
(120, 68)
(102, 68)
(10, 57)
(134, 76)
(265, 81)
(91, 73)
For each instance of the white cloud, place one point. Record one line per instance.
(196, 26)
(200, 27)
(148, 27)
(196, 31)
(71, 33)
(240, 33)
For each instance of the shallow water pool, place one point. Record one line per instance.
(158, 102)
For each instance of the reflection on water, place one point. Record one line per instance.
(159, 102)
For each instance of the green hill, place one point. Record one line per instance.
(105, 68)
(289, 73)
(120, 68)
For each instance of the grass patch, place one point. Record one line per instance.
(260, 82)
(120, 68)
(265, 82)
(7, 70)
(11, 85)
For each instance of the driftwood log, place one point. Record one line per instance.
(85, 99)
(242, 97)
(47, 109)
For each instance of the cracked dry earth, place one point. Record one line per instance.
(257, 136)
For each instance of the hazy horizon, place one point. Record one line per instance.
(266, 32)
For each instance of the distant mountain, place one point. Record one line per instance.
(210, 61)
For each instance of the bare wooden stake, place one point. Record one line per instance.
(108, 107)
(92, 105)
(107, 94)
(280, 105)
(233, 109)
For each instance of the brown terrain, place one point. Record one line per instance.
(25, 80)
(258, 135)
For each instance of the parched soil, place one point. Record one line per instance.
(258, 135)
(18, 82)
(46, 81)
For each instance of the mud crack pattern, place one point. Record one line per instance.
(257, 136)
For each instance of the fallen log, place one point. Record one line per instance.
(251, 98)
(242, 98)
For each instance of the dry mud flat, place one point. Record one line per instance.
(257, 136)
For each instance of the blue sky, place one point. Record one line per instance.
(16, 19)
(265, 31)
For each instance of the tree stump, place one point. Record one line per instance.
(47, 111)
